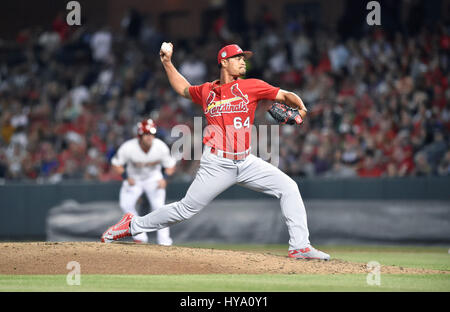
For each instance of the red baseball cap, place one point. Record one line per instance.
(230, 51)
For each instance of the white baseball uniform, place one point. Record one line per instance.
(226, 160)
(145, 169)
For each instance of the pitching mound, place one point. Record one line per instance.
(129, 258)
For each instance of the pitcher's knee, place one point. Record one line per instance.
(186, 210)
(290, 187)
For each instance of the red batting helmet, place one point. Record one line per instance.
(146, 127)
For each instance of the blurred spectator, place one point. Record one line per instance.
(338, 54)
(60, 26)
(322, 162)
(194, 69)
(369, 167)
(101, 44)
(444, 165)
(422, 167)
(132, 23)
(221, 29)
(7, 129)
(15, 156)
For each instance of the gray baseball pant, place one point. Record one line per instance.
(214, 176)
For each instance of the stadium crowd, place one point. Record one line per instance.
(378, 104)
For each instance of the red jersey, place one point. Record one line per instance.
(230, 111)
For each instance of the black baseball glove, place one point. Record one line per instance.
(285, 114)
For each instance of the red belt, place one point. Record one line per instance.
(229, 155)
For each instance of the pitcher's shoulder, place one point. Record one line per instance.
(250, 81)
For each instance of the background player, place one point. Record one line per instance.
(140, 161)
(229, 106)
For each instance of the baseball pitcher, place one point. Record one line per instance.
(139, 161)
(229, 105)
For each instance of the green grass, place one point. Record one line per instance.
(226, 283)
(436, 258)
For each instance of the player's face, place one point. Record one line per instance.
(147, 139)
(236, 65)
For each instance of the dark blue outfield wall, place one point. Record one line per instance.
(24, 207)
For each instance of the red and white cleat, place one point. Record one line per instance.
(120, 230)
(308, 253)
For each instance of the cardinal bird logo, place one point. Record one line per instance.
(238, 93)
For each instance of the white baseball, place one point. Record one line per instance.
(166, 47)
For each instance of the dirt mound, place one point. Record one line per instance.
(129, 258)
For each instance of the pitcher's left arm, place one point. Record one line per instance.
(293, 100)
